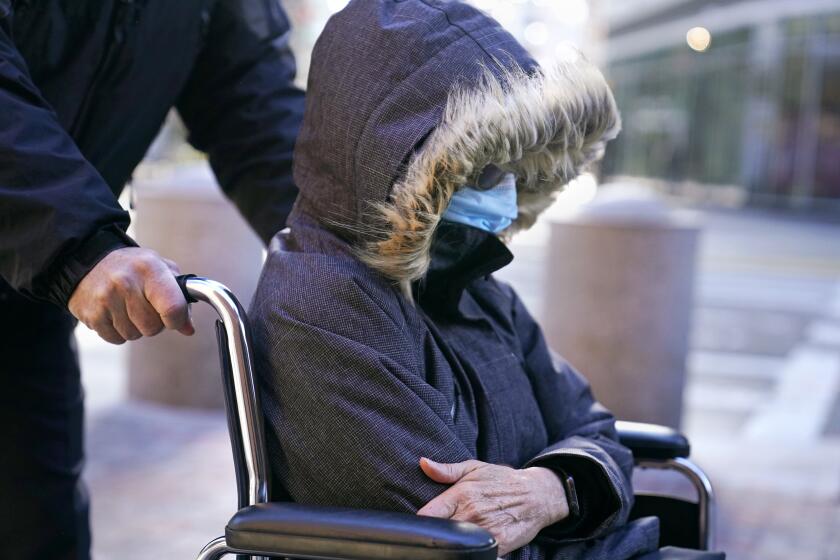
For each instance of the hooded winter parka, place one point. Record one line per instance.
(84, 87)
(381, 335)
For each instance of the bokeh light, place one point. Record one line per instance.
(698, 38)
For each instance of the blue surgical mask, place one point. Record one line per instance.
(490, 210)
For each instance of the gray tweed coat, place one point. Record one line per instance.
(380, 335)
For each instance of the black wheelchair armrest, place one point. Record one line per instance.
(290, 529)
(652, 441)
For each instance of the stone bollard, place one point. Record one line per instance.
(185, 217)
(619, 299)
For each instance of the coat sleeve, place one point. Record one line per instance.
(348, 413)
(241, 107)
(58, 217)
(585, 444)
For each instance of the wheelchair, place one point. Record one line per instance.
(265, 529)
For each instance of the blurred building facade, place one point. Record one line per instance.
(752, 117)
(750, 112)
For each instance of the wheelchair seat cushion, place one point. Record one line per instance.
(331, 532)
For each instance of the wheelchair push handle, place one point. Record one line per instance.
(182, 283)
(245, 420)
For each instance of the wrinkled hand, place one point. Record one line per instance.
(513, 505)
(131, 293)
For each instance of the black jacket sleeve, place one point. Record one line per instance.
(58, 217)
(242, 108)
(585, 444)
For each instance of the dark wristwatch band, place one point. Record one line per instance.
(571, 496)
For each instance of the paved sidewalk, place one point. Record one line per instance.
(762, 408)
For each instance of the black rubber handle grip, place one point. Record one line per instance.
(182, 283)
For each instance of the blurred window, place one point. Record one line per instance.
(760, 109)
(681, 111)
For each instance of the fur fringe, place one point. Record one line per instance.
(545, 128)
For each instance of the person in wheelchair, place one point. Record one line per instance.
(397, 373)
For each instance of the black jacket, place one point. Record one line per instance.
(85, 86)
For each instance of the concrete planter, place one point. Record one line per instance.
(619, 298)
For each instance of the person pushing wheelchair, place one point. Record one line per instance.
(84, 87)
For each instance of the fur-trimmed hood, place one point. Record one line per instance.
(409, 100)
